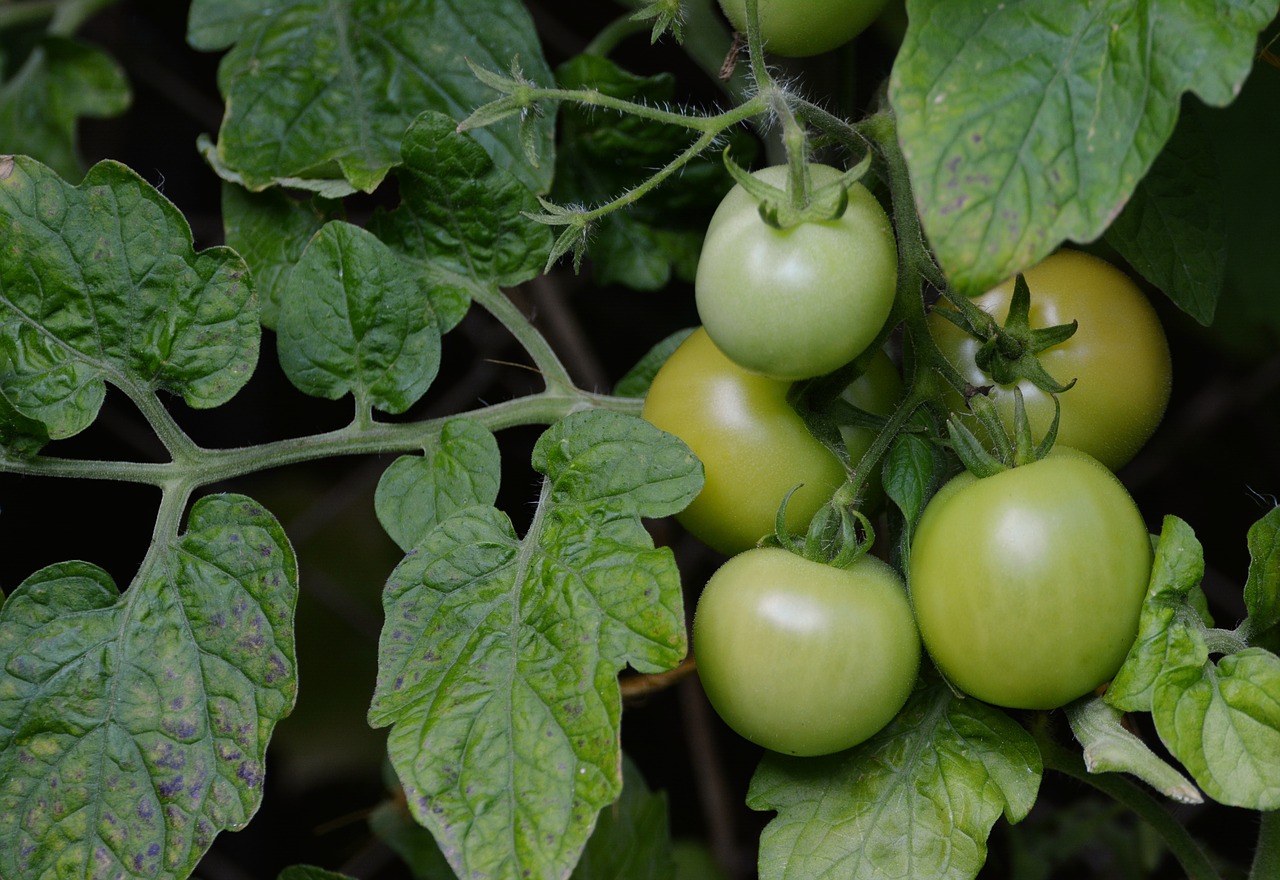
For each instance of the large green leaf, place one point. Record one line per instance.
(100, 283)
(133, 728)
(356, 319)
(319, 93)
(914, 802)
(1027, 124)
(59, 82)
(498, 660)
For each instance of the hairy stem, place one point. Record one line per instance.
(1266, 858)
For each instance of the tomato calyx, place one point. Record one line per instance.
(839, 534)
(1013, 448)
(1008, 353)
(798, 203)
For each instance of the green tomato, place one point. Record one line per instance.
(1118, 356)
(802, 301)
(804, 658)
(797, 28)
(753, 445)
(1027, 585)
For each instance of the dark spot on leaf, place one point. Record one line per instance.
(170, 788)
(137, 862)
(153, 850)
(177, 702)
(249, 774)
(976, 138)
(399, 683)
(145, 812)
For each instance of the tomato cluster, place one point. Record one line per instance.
(1023, 586)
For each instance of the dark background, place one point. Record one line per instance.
(1215, 462)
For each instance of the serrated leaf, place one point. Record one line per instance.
(1262, 588)
(1173, 229)
(417, 491)
(498, 661)
(638, 379)
(356, 319)
(100, 283)
(1170, 631)
(270, 231)
(460, 212)
(1109, 747)
(320, 92)
(1222, 721)
(61, 81)
(1028, 124)
(133, 729)
(914, 802)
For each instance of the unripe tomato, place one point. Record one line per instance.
(805, 658)
(797, 28)
(753, 445)
(802, 301)
(1027, 585)
(1118, 356)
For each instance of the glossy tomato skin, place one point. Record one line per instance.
(1119, 356)
(804, 658)
(798, 302)
(1027, 585)
(798, 28)
(753, 445)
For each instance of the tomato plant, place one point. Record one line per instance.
(796, 28)
(801, 657)
(357, 364)
(801, 301)
(1027, 585)
(1118, 356)
(753, 445)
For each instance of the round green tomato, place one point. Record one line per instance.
(1027, 585)
(753, 445)
(802, 301)
(804, 658)
(797, 28)
(1118, 356)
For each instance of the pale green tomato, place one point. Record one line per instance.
(802, 301)
(797, 28)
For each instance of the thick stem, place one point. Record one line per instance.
(1124, 791)
(1266, 858)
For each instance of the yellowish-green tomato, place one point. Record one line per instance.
(753, 445)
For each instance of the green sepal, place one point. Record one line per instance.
(972, 454)
(781, 210)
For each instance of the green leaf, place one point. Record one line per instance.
(632, 839)
(1085, 96)
(914, 468)
(100, 283)
(319, 93)
(1222, 721)
(418, 491)
(60, 81)
(133, 729)
(1173, 230)
(270, 231)
(498, 660)
(659, 236)
(356, 319)
(915, 802)
(638, 379)
(1170, 631)
(460, 212)
(310, 872)
(1109, 747)
(1262, 588)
